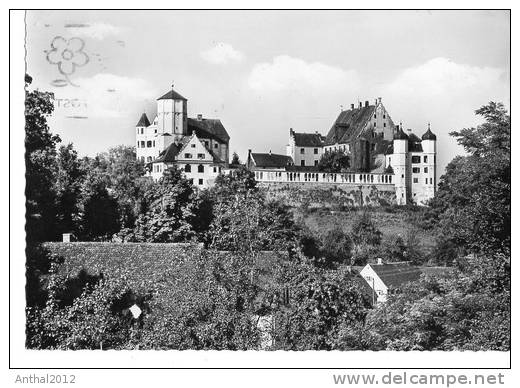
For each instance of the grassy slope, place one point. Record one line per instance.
(400, 222)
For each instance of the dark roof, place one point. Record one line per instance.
(169, 153)
(302, 168)
(429, 135)
(308, 139)
(396, 274)
(143, 121)
(414, 143)
(400, 135)
(349, 125)
(172, 95)
(208, 129)
(271, 160)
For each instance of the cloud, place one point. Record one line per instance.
(441, 75)
(108, 95)
(286, 73)
(94, 30)
(221, 54)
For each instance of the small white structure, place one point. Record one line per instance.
(386, 278)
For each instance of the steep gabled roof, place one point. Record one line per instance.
(308, 139)
(169, 153)
(143, 121)
(349, 125)
(396, 274)
(208, 129)
(172, 95)
(414, 143)
(271, 160)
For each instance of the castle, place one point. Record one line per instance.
(198, 146)
(379, 152)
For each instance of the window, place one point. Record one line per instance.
(431, 181)
(316, 162)
(426, 180)
(142, 131)
(374, 124)
(188, 156)
(315, 151)
(416, 159)
(302, 151)
(201, 181)
(216, 145)
(214, 169)
(302, 163)
(425, 169)
(142, 144)
(373, 147)
(187, 168)
(149, 143)
(153, 142)
(155, 130)
(415, 180)
(384, 116)
(193, 145)
(137, 144)
(384, 124)
(425, 159)
(200, 168)
(201, 156)
(416, 170)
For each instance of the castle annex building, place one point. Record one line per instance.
(380, 152)
(197, 146)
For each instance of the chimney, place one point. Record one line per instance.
(352, 106)
(379, 261)
(269, 152)
(366, 103)
(360, 105)
(68, 237)
(291, 132)
(199, 117)
(379, 98)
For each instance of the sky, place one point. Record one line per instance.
(263, 72)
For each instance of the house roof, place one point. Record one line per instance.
(400, 135)
(169, 153)
(429, 135)
(396, 274)
(414, 143)
(349, 125)
(208, 129)
(308, 139)
(143, 121)
(271, 160)
(172, 95)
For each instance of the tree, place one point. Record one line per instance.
(364, 231)
(235, 160)
(336, 246)
(40, 167)
(168, 211)
(69, 178)
(473, 203)
(334, 161)
(98, 210)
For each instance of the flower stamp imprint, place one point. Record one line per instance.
(67, 55)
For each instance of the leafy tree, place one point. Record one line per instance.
(235, 160)
(168, 211)
(336, 246)
(364, 231)
(69, 178)
(473, 202)
(98, 210)
(334, 161)
(322, 304)
(40, 167)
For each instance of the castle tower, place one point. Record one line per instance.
(429, 145)
(172, 114)
(140, 137)
(399, 164)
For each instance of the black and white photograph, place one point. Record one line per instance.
(264, 185)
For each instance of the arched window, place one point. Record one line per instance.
(200, 168)
(187, 168)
